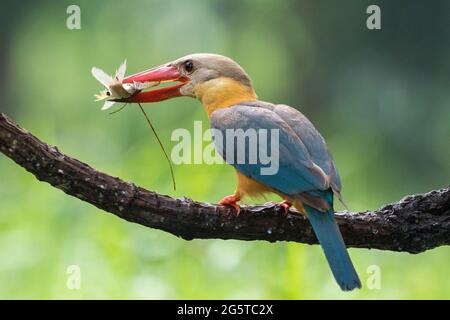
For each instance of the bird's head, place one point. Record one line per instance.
(215, 80)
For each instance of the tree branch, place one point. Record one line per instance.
(414, 224)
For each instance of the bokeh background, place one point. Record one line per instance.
(380, 98)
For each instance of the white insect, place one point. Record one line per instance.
(115, 89)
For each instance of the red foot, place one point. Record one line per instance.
(232, 202)
(286, 205)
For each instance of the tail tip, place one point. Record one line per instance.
(350, 285)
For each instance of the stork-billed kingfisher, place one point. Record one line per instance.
(307, 177)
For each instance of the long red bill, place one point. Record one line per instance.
(164, 73)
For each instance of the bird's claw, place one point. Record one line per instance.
(231, 201)
(286, 205)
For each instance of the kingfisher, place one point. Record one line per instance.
(306, 176)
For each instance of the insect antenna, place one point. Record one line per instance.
(160, 144)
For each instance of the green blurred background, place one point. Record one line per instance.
(380, 98)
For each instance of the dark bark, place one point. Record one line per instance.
(414, 224)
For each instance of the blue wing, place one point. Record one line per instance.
(296, 173)
(311, 138)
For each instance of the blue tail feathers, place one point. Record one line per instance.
(333, 245)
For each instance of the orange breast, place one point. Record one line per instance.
(249, 187)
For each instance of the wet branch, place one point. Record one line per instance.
(414, 224)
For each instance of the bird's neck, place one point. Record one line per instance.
(222, 93)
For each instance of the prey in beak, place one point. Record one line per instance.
(129, 90)
(115, 87)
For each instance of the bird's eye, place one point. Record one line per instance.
(188, 66)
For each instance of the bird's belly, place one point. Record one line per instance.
(248, 187)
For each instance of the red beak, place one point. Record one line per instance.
(164, 73)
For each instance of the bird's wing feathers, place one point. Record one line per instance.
(313, 141)
(297, 172)
(311, 138)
